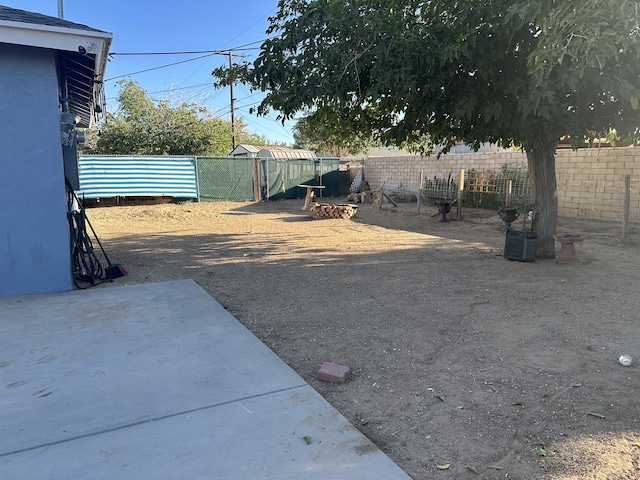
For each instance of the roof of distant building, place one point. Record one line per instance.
(270, 151)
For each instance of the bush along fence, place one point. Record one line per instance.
(510, 186)
(203, 178)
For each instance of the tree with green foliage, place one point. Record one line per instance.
(144, 127)
(509, 72)
(320, 134)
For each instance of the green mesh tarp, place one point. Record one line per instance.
(233, 178)
(281, 177)
(225, 178)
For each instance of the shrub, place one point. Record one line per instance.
(487, 189)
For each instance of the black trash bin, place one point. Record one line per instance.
(520, 245)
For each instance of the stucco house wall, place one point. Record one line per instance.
(34, 237)
(51, 71)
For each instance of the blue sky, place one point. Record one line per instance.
(176, 26)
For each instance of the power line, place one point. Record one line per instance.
(249, 27)
(161, 66)
(201, 86)
(209, 53)
(175, 89)
(205, 54)
(194, 52)
(242, 47)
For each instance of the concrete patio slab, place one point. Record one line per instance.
(158, 381)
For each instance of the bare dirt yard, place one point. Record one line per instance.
(465, 364)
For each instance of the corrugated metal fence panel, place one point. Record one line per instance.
(113, 176)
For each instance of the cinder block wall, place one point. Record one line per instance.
(590, 181)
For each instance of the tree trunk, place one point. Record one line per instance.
(542, 171)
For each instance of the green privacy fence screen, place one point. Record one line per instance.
(206, 178)
(264, 178)
(279, 178)
(224, 178)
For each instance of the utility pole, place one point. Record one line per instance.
(60, 8)
(229, 53)
(233, 116)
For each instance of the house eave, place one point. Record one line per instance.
(56, 38)
(71, 41)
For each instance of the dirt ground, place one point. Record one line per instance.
(465, 364)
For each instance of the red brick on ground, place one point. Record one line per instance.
(333, 372)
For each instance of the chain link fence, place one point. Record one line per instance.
(225, 178)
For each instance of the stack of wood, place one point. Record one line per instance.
(329, 210)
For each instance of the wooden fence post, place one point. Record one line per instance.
(257, 194)
(420, 180)
(627, 202)
(460, 191)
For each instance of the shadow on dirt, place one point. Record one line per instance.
(459, 356)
